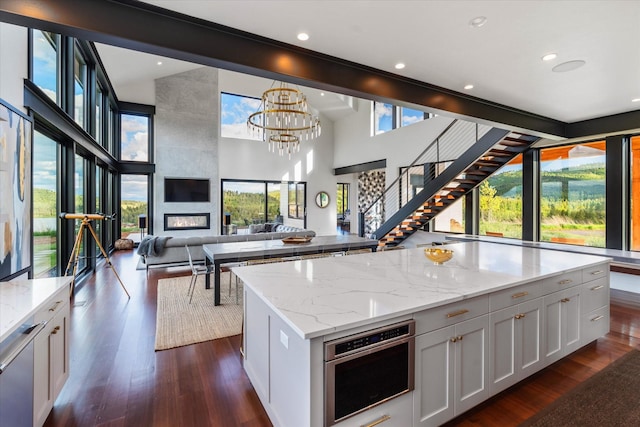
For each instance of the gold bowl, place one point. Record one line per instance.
(438, 255)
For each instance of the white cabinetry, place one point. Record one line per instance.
(562, 323)
(595, 303)
(451, 371)
(395, 412)
(51, 356)
(515, 335)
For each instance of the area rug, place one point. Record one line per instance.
(179, 323)
(609, 398)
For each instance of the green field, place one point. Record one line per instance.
(572, 205)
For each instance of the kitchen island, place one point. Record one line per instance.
(483, 321)
(34, 347)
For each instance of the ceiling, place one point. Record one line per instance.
(502, 59)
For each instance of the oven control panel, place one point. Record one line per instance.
(369, 338)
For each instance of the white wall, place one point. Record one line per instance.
(246, 159)
(13, 63)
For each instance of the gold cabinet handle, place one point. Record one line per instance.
(378, 421)
(595, 319)
(55, 330)
(457, 313)
(565, 282)
(453, 339)
(55, 306)
(459, 337)
(595, 288)
(565, 300)
(595, 273)
(520, 295)
(520, 316)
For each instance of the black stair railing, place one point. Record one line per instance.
(457, 138)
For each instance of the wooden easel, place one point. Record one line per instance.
(75, 252)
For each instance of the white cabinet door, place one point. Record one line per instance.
(562, 323)
(51, 358)
(433, 394)
(502, 339)
(515, 344)
(471, 363)
(59, 357)
(530, 327)
(451, 371)
(42, 401)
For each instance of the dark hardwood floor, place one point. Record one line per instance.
(117, 379)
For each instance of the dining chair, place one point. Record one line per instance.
(226, 268)
(196, 270)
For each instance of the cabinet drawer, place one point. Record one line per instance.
(395, 412)
(595, 294)
(562, 281)
(595, 272)
(60, 300)
(508, 297)
(595, 324)
(438, 317)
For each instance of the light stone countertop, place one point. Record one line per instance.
(320, 296)
(21, 299)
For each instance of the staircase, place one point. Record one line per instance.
(492, 151)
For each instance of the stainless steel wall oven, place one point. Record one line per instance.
(367, 369)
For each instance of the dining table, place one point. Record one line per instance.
(217, 254)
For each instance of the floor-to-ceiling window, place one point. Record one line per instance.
(80, 207)
(79, 87)
(500, 201)
(45, 62)
(134, 137)
(134, 190)
(635, 193)
(256, 202)
(342, 208)
(572, 194)
(296, 200)
(45, 206)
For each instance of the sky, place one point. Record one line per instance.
(235, 111)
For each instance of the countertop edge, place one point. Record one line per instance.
(48, 299)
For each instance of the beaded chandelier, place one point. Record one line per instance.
(283, 119)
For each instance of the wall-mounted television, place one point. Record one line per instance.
(186, 190)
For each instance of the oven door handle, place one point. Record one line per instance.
(20, 344)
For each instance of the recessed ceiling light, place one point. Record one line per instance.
(468, 87)
(549, 56)
(303, 37)
(568, 66)
(635, 100)
(478, 21)
(159, 62)
(399, 66)
(321, 93)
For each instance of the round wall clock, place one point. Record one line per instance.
(322, 199)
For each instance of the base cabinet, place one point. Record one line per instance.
(515, 334)
(451, 371)
(562, 323)
(51, 357)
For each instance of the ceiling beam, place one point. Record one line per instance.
(140, 26)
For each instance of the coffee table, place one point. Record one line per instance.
(234, 252)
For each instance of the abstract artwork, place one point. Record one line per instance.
(15, 191)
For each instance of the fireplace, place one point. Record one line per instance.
(187, 221)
